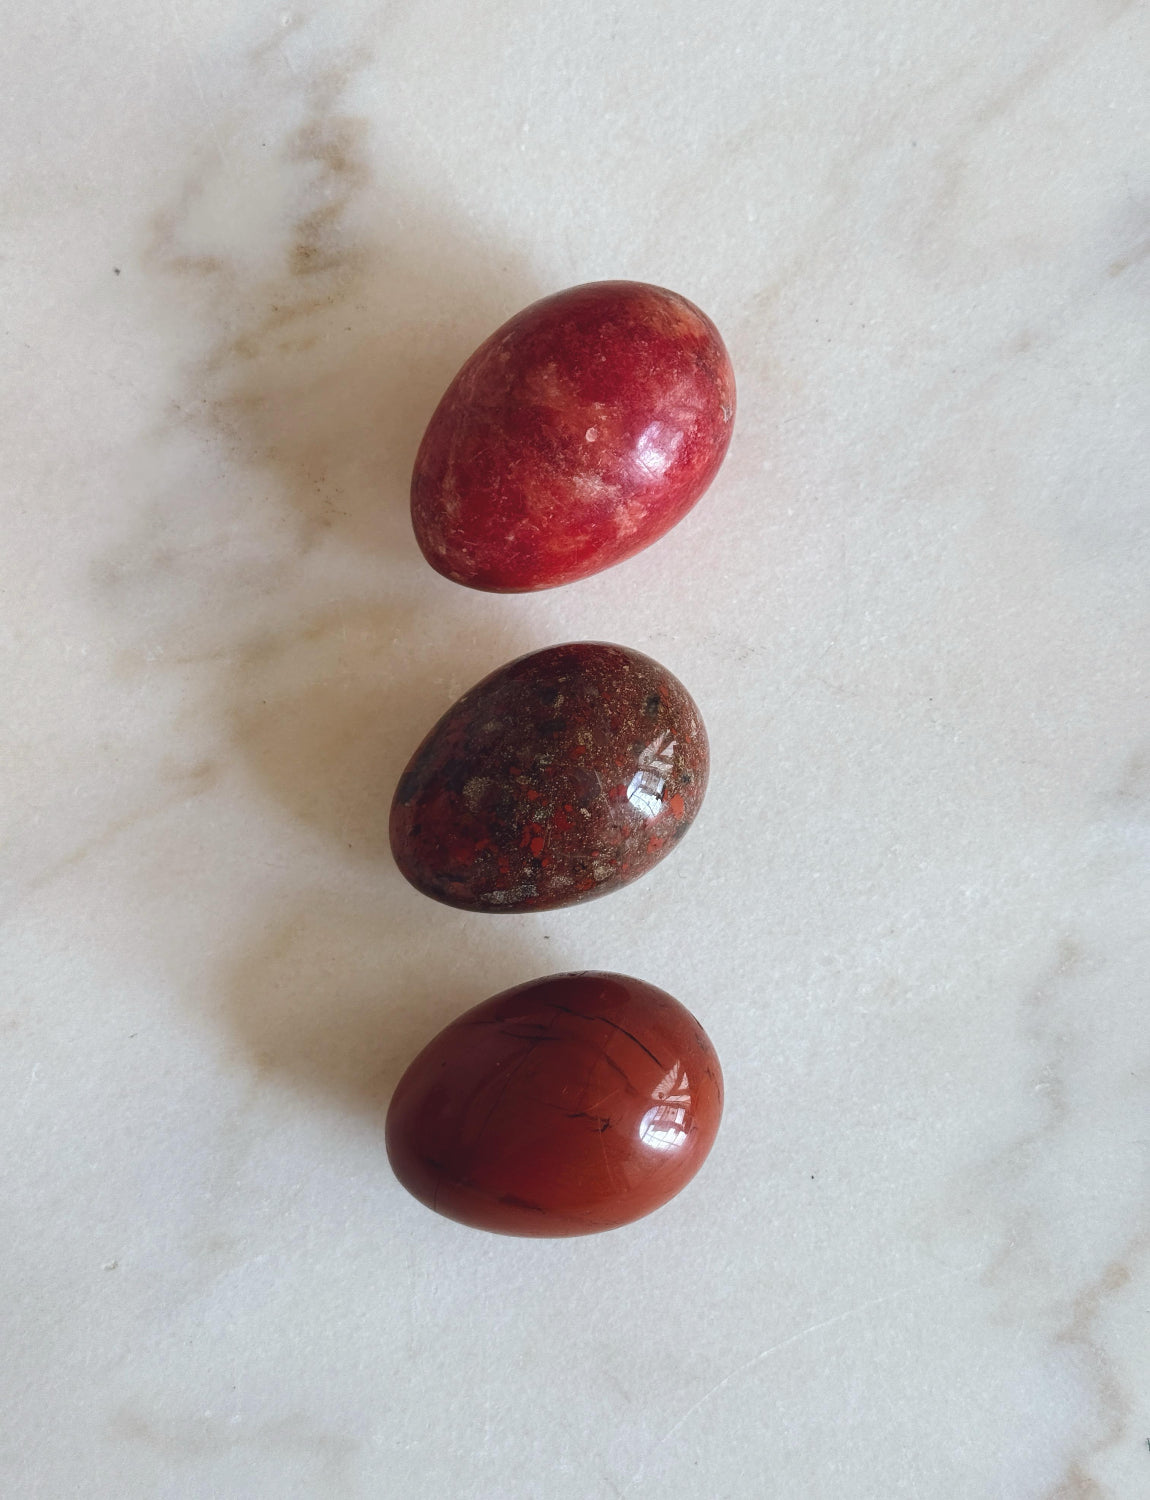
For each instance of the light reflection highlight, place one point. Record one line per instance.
(665, 1125)
(656, 448)
(656, 762)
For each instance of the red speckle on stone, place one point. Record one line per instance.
(582, 430)
(677, 805)
(564, 1106)
(468, 832)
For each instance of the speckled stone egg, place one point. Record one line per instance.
(560, 777)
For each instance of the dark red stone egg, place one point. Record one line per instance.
(560, 777)
(563, 1106)
(584, 428)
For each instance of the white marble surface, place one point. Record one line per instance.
(243, 249)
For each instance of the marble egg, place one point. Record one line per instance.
(578, 433)
(563, 775)
(564, 1106)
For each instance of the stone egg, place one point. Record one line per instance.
(578, 433)
(563, 775)
(564, 1106)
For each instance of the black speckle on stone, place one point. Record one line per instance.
(520, 1203)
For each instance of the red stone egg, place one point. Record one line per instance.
(564, 1106)
(560, 777)
(582, 430)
